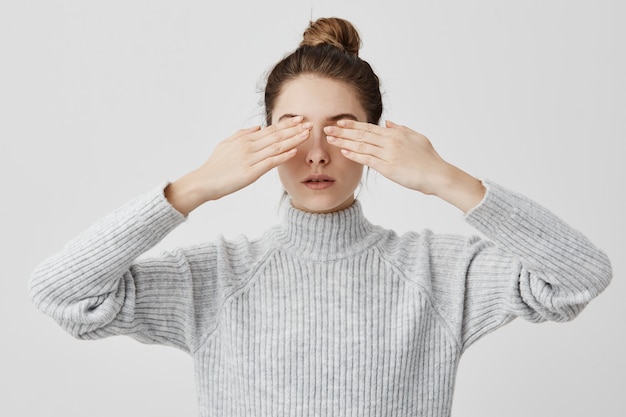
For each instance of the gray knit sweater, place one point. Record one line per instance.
(325, 314)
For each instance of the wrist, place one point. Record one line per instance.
(458, 188)
(188, 193)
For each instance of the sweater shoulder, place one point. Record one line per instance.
(214, 272)
(434, 263)
(419, 255)
(229, 259)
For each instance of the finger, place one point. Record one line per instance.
(282, 146)
(355, 125)
(266, 164)
(279, 134)
(243, 132)
(392, 125)
(389, 124)
(286, 123)
(363, 148)
(367, 133)
(363, 159)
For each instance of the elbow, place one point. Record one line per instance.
(556, 298)
(593, 276)
(589, 280)
(57, 292)
(79, 306)
(604, 273)
(41, 288)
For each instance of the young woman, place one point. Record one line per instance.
(325, 314)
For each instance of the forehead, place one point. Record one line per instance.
(317, 98)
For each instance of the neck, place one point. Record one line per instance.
(326, 236)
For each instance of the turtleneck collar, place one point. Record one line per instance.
(327, 236)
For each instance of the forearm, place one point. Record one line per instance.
(458, 188)
(237, 162)
(92, 264)
(561, 269)
(188, 193)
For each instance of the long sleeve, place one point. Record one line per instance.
(94, 287)
(533, 266)
(325, 313)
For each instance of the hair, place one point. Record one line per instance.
(329, 49)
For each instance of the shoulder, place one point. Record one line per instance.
(240, 250)
(220, 259)
(436, 263)
(427, 248)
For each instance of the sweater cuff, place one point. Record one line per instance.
(145, 220)
(159, 215)
(498, 208)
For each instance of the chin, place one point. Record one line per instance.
(321, 205)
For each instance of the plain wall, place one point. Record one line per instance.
(102, 101)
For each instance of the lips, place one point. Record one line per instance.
(319, 178)
(318, 182)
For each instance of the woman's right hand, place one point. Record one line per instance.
(237, 162)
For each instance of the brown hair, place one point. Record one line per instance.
(330, 49)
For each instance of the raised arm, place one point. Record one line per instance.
(407, 158)
(237, 162)
(96, 287)
(533, 265)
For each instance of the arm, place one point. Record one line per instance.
(535, 265)
(95, 286)
(407, 158)
(237, 162)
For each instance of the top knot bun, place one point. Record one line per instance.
(333, 31)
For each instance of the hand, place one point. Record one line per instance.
(407, 158)
(237, 162)
(397, 152)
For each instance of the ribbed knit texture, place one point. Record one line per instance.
(326, 314)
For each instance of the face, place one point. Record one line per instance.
(319, 178)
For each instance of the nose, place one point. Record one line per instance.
(317, 153)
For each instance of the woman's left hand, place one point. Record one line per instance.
(397, 152)
(407, 158)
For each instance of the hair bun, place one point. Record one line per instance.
(333, 31)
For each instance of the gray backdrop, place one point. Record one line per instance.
(101, 101)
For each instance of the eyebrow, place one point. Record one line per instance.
(330, 119)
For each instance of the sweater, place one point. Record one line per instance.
(324, 314)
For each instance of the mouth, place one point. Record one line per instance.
(318, 178)
(318, 182)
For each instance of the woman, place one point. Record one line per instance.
(325, 314)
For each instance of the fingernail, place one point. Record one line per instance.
(342, 123)
(328, 129)
(331, 138)
(297, 118)
(304, 134)
(307, 125)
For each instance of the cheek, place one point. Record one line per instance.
(286, 173)
(358, 172)
(353, 172)
(349, 166)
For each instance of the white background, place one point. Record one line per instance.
(103, 100)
